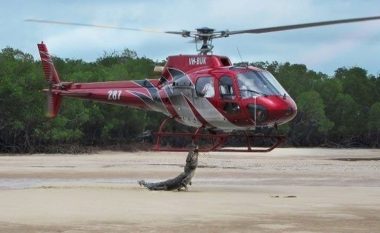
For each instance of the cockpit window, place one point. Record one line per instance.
(205, 87)
(257, 83)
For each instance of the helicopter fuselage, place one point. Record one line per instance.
(199, 91)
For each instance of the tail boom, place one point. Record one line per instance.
(141, 94)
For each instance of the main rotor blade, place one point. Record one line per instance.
(97, 26)
(304, 25)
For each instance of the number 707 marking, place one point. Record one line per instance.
(114, 95)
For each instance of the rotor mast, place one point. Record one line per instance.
(205, 35)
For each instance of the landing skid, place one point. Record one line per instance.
(215, 141)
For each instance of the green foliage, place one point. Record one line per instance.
(355, 83)
(314, 113)
(342, 109)
(345, 115)
(311, 122)
(374, 117)
(374, 124)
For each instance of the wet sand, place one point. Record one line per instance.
(287, 190)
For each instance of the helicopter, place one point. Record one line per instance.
(204, 91)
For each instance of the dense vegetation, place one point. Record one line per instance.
(342, 110)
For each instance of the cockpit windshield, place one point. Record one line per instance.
(256, 83)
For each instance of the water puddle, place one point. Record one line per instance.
(35, 182)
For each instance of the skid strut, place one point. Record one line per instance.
(216, 141)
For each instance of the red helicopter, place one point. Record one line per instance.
(203, 91)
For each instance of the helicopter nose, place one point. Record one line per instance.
(273, 109)
(290, 112)
(285, 111)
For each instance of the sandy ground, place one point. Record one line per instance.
(287, 190)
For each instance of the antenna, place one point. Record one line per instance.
(241, 58)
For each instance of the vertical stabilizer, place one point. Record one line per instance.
(51, 75)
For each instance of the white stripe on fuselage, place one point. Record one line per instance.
(184, 111)
(212, 115)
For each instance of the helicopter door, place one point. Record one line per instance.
(228, 95)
